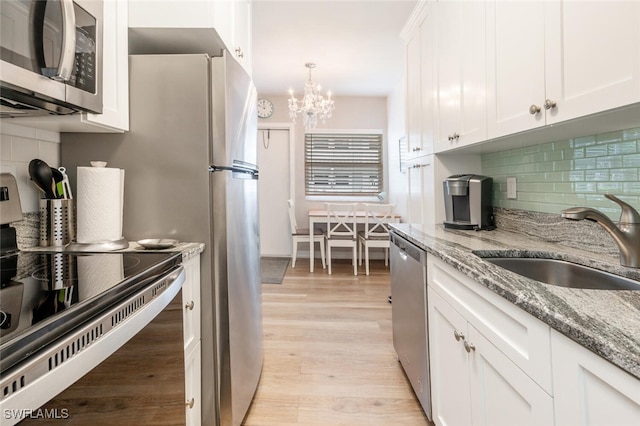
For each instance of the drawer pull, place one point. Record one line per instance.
(469, 346)
(459, 336)
(534, 109)
(190, 403)
(189, 306)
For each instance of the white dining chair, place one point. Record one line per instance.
(301, 235)
(341, 230)
(376, 231)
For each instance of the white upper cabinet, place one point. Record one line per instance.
(420, 81)
(515, 66)
(191, 26)
(592, 57)
(412, 91)
(549, 62)
(461, 76)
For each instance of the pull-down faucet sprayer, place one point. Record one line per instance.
(626, 234)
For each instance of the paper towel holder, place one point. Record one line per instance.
(98, 246)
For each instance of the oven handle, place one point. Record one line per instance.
(68, 52)
(48, 372)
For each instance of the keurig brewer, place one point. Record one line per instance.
(467, 202)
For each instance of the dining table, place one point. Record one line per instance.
(320, 216)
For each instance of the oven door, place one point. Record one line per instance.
(51, 56)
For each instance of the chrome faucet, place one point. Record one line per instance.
(626, 234)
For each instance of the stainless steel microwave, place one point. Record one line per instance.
(50, 57)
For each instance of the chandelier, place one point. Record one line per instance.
(313, 106)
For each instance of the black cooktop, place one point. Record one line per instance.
(44, 295)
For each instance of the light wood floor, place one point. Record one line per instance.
(328, 352)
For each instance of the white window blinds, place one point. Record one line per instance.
(343, 164)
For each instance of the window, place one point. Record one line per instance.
(343, 164)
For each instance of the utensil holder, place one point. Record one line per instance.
(57, 222)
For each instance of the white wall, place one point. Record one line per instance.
(19, 145)
(351, 113)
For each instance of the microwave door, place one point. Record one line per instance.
(23, 53)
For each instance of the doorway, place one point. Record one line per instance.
(275, 187)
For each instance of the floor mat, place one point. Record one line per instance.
(273, 269)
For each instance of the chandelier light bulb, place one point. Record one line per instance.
(313, 106)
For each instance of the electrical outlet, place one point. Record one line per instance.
(511, 188)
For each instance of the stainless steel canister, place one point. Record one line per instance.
(57, 222)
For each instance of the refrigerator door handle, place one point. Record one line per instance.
(252, 173)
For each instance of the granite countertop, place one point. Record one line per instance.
(605, 321)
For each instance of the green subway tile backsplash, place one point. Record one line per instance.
(567, 173)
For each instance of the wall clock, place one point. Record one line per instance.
(265, 108)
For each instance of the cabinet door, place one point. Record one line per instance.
(461, 73)
(242, 33)
(193, 394)
(429, 101)
(592, 56)
(420, 173)
(412, 92)
(502, 394)
(589, 390)
(191, 303)
(451, 397)
(515, 66)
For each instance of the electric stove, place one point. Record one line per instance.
(44, 295)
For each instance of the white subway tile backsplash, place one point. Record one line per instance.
(20, 145)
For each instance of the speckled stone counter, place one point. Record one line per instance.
(188, 250)
(605, 321)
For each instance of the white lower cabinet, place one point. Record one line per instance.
(494, 364)
(473, 380)
(192, 392)
(450, 385)
(191, 329)
(589, 390)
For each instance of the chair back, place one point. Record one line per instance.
(292, 217)
(377, 219)
(341, 220)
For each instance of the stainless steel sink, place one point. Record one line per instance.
(562, 273)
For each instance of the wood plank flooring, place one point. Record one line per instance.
(328, 352)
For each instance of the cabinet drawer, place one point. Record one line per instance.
(521, 337)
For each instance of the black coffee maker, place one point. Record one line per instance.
(467, 202)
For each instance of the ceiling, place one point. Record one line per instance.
(355, 45)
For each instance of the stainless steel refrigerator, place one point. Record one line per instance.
(190, 174)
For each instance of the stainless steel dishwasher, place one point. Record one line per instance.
(409, 315)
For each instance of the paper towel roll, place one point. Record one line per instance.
(97, 273)
(99, 197)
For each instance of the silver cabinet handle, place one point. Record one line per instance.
(189, 306)
(453, 137)
(68, 53)
(534, 109)
(458, 335)
(190, 403)
(549, 104)
(469, 346)
(416, 149)
(239, 53)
